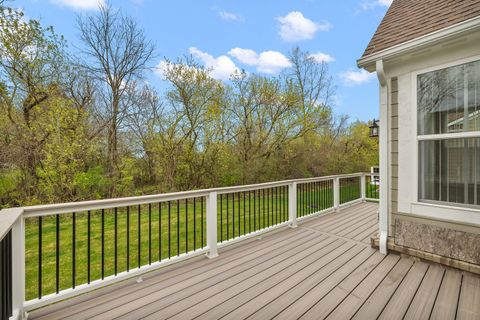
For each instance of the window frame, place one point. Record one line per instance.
(419, 204)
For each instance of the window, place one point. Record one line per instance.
(448, 113)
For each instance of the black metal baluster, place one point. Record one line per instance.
(74, 234)
(272, 212)
(244, 214)
(89, 218)
(239, 222)
(149, 233)
(305, 200)
(221, 218)
(268, 207)
(254, 210)
(128, 238)
(300, 200)
(159, 231)
(169, 229)
(249, 212)
(300, 196)
(310, 200)
(115, 214)
(297, 200)
(194, 224)
(227, 218)
(272, 209)
(139, 237)
(40, 227)
(57, 253)
(103, 244)
(178, 227)
(233, 215)
(201, 206)
(322, 195)
(186, 225)
(263, 205)
(6, 288)
(277, 212)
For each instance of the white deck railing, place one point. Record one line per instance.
(313, 195)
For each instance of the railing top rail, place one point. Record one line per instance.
(7, 220)
(82, 206)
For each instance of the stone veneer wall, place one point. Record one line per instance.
(460, 245)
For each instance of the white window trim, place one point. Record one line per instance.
(444, 211)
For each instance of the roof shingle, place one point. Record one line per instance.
(409, 19)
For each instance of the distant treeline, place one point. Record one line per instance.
(82, 123)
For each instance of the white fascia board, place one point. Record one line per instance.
(369, 62)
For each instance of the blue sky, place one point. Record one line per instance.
(254, 35)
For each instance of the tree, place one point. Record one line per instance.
(32, 62)
(313, 84)
(118, 53)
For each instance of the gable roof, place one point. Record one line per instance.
(409, 19)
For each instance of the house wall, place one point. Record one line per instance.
(444, 230)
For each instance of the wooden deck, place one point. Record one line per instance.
(324, 269)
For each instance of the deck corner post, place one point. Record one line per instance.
(18, 268)
(336, 194)
(212, 225)
(363, 185)
(292, 204)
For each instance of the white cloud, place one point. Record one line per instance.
(270, 62)
(222, 67)
(385, 3)
(80, 4)
(372, 4)
(322, 57)
(295, 27)
(230, 16)
(353, 78)
(245, 56)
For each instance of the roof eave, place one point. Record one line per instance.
(368, 62)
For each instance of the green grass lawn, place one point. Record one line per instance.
(186, 223)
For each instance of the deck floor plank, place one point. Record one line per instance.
(115, 298)
(398, 304)
(207, 277)
(469, 303)
(265, 292)
(324, 306)
(171, 274)
(238, 281)
(446, 303)
(422, 304)
(339, 219)
(294, 304)
(380, 297)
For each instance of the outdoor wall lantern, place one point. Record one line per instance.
(374, 128)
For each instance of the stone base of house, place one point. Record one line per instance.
(427, 256)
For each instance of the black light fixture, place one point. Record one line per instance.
(374, 128)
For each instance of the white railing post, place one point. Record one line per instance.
(292, 204)
(18, 268)
(363, 185)
(336, 193)
(212, 225)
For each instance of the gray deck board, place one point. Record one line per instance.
(325, 268)
(469, 303)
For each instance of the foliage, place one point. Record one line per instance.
(74, 127)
